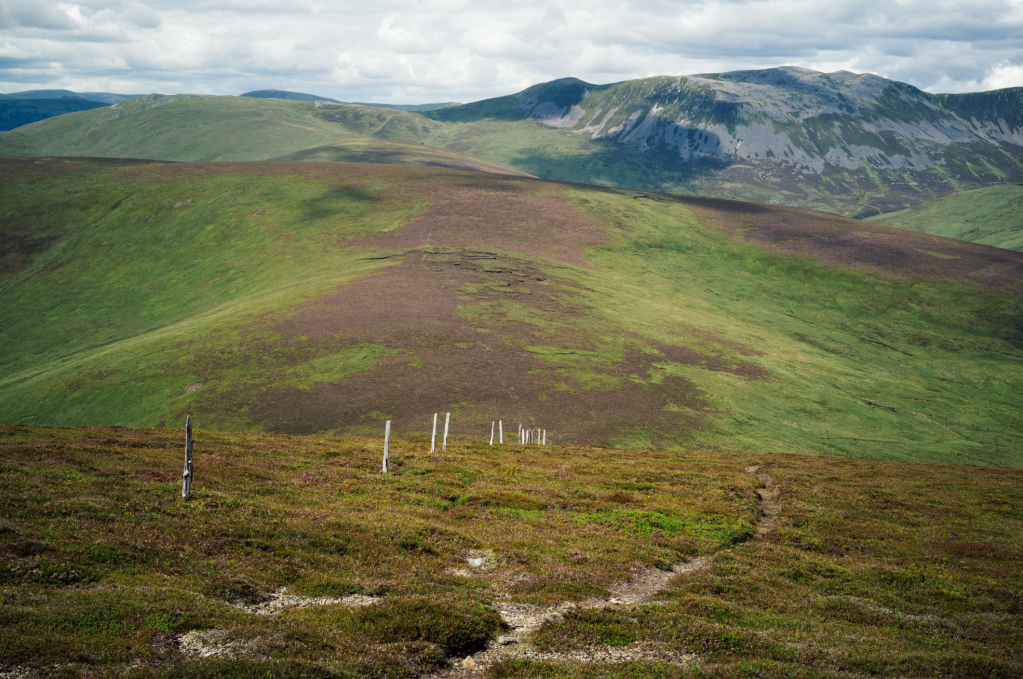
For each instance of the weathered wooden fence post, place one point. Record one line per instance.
(492, 432)
(500, 431)
(387, 444)
(433, 441)
(186, 479)
(447, 419)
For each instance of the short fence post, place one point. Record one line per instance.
(186, 481)
(433, 441)
(447, 419)
(500, 431)
(492, 432)
(387, 444)
(544, 438)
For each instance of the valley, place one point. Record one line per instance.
(770, 323)
(328, 297)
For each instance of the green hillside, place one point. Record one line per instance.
(328, 297)
(992, 216)
(203, 128)
(853, 144)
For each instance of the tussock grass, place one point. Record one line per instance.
(869, 568)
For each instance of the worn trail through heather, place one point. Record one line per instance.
(642, 587)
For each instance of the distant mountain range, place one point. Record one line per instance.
(30, 106)
(299, 96)
(102, 97)
(848, 143)
(857, 145)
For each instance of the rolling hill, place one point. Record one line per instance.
(222, 128)
(327, 297)
(992, 216)
(857, 145)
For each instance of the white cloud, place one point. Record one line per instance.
(463, 50)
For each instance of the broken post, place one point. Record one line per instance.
(500, 431)
(186, 480)
(387, 444)
(433, 441)
(447, 419)
(492, 432)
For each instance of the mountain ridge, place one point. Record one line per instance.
(852, 144)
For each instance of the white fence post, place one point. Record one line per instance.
(492, 433)
(500, 431)
(447, 419)
(433, 441)
(544, 438)
(387, 444)
(186, 481)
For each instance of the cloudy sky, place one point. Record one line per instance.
(417, 51)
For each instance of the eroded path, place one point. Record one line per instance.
(641, 588)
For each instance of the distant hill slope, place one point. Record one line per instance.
(289, 96)
(17, 112)
(298, 96)
(858, 145)
(305, 297)
(992, 216)
(102, 97)
(206, 128)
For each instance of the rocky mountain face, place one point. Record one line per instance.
(846, 142)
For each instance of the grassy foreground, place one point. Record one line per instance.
(992, 216)
(865, 568)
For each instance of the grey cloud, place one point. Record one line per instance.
(29, 14)
(463, 50)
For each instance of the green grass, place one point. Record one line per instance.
(870, 568)
(153, 292)
(492, 135)
(992, 216)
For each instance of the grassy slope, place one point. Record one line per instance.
(992, 216)
(138, 293)
(238, 128)
(861, 568)
(192, 128)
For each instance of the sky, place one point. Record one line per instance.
(421, 51)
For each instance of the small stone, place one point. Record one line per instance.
(469, 664)
(504, 641)
(475, 563)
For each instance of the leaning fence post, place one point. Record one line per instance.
(433, 441)
(447, 419)
(492, 433)
(500, 431)
(186, 480)
(387, 444)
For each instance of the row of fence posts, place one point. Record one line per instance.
(526, 436)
